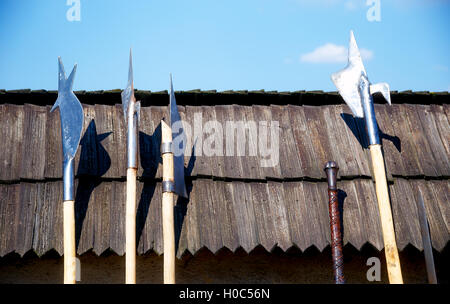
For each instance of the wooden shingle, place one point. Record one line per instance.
(53, 146)
(117, 218)
(244, 215)
(86, 158)
(392, 144)
(248, 133)
(107, 156)
(302, 138)
(277, 208)
(233, 164)
(289, 161)
(265, 115)
(431, 133)
(402, 130)
(348, 126)
(25, 214)
(438, 227)
(369, 206)
(12, 132)
(297, 215)
(264, 222)
(354, 231)
(404, 207)
(424, 154)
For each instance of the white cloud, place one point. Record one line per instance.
(332, 53)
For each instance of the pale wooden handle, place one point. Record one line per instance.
(167, 210)
(69, 242)
(387, 224)
(169, 238)
(130, 228)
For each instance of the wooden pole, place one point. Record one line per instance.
(130, 229)
(387, 224)
(167, 210)
(69, 242)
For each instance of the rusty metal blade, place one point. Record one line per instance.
(71, 114)
(178, 144)
(426, 239)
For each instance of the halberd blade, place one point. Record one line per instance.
(178, 144)
(382, 88)
(70, 111)
(347, 80)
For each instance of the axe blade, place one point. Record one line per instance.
(70, 111)
(347, 80)
(178, 144)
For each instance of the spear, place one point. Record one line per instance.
(428, 250)
(356, 90)
(71, 115)
(131, 110)
(331, 169)
(173, 181)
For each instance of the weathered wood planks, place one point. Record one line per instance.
(415, 140)
(218, 215)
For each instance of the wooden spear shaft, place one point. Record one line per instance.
(69, 242)
(130, 229)
(167, 209)
(387, 224)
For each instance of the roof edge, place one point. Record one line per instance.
(212, 97)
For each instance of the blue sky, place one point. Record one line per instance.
(283, 45)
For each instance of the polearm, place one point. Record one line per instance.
(131, 110)
(71, 115)
(426, 239)
(331, 169)
(355, 89)
(173, 181)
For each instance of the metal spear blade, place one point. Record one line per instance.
(70, 111)
(178, 144)
(128, 93)
(131, 113)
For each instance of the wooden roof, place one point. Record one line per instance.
(233, 201)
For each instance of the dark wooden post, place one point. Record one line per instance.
(331, 169)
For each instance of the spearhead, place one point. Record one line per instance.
(179, 144)
(71, 114)
(131, 112)
(354, 86)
